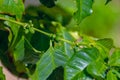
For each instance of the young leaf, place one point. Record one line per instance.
(104, 46)
(84, 9)
(114, 60)
(48, 3)
(106, 42)
(97, 68)
(79, 61)
(12, 7)
(2, 76)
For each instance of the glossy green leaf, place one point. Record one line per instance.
(111, 76)
(114, 60)
(79, 61)
(45, 65)
(84, 9)
(60, 57)
(55, 57)
(63, 51)
(12, 7)
(50, 60)
(2, 76)
(48, 3)
(106, 42)
(19, 50)
(97, 68)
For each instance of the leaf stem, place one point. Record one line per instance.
(43, 32)
(13, 21)
(52, 35)
(67, 41)
(38, 30)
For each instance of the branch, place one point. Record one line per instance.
(38, 30)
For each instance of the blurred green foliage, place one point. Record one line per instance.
(104, 22)
(103, 19)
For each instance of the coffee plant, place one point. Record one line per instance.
(36, 44)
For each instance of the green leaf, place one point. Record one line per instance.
(83, 9)
(111, 76)
(5, 55)
(114, 60)
(79, 61)
(48, 3)
(19, 50)
(45, 65)
(15, 30)
(82, 76)
(106, 42)
(104, 46)
(60, 57)
(68, 50)
(50, 60)
(97, 68)
(12, 7)
(116, 72)
(2, 76)
(65, 47)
